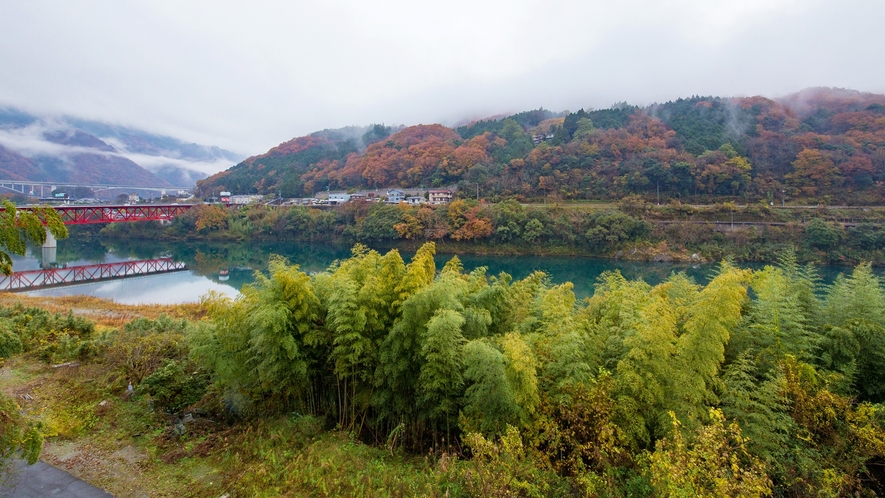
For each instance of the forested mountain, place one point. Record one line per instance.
(14, 166)
(285, 167)
(819, 145)
(78, 164)
(77, 150)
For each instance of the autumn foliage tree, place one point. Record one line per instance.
(813, 172)
(210, 218)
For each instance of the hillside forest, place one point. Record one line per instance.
(761, 383)
(819, 146)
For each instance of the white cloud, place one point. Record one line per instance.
(30, 141)
(154, 162)
(249, 75)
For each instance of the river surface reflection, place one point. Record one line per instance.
(226, 267)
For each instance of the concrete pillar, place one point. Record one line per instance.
(50, 248)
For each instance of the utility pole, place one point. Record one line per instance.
(467, 181)
(659, 193)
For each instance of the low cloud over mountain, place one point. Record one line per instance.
(44, 148)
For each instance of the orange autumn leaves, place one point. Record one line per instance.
(413, 156)
(418, 152)
(463, 222)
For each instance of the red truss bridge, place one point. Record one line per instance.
(54, 277)
(84, 215)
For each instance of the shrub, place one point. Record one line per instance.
(505, 468)
(715, 463)
(51, 337)
(175, 386)
(822, 235)
(10, 344)
(612, 229)
(18, 436)
(145, 345)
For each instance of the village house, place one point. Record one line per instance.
(440, 196)
(537, 139)
(336, 198)
(395, 196)
(244, 199)
(415, 200)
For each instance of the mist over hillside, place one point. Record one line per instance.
(70, 149)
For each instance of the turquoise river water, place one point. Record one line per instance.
(226, 267)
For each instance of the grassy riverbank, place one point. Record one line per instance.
(100, 434)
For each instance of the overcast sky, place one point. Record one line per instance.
(247, 75)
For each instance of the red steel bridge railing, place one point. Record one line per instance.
(33, 279)
(83, 215)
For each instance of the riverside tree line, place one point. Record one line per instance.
(509, 227)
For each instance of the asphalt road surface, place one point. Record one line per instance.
(42, 480)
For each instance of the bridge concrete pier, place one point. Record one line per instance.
(50, 248)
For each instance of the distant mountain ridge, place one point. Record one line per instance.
(156, 145)
(18, 167)
(77, 138)
(820, 145)
(70, 149)
(832, 100)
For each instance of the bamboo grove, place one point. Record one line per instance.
(761, 382)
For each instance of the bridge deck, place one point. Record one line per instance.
(83, 215)
(54, 277)
(21, 185)
(87, 214)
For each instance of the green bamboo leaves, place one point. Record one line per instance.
(728, 388)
